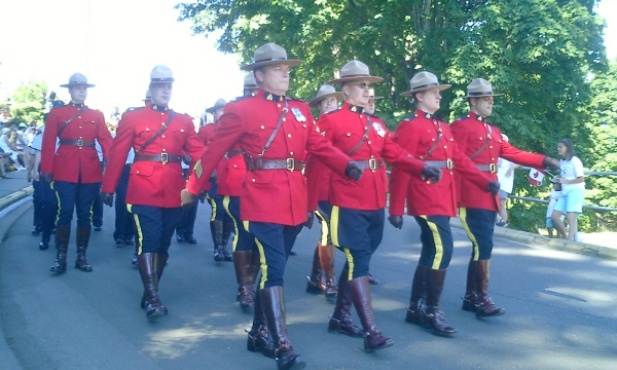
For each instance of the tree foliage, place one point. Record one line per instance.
(28, 102)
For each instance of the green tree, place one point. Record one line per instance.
(28, 102)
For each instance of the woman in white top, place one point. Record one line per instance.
(572, 189)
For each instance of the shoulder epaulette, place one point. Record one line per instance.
(460, 118)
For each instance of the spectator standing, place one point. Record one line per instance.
(572, 181)
(554, 196)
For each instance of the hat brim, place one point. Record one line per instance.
(438, 87)
(289, 62)
(344, 80)
(315, 102)
(70, 85)
(482, 95)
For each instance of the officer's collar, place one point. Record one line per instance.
(476, 116)
(159, 108)
(273, 97)
(77, 105)
(421, 113)
(355, 108)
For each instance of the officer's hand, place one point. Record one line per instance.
(493, 187)
(551, 163)
(396, 221)
(107, 198)
(46, 177)
(310, 218)
(186, 198)
(353, 171)
(433, 174)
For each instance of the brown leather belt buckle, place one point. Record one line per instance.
(492, 168)
(80, 143)
(164, 158)
(372, 164)
(291, 164)
(449, 164)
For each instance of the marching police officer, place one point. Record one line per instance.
(158, 136)
(274, 131)
(432, 204)
(484, 144)
(74, 167)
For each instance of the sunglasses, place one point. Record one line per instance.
(363, 85)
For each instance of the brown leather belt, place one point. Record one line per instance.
(491, 168)
(234, 152)
(289, 164)
(79, 142)
(371, 164)
(448, 164)
(163, 158)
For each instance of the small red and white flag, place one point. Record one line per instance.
(536, 176)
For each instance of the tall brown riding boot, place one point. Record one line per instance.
(259, 337)
(243, 263)
(160, 261)
(83, 236)
(417, 300)
(274, 310)
(216, 227)
(316, 283)
(340, 321)
(432, 317)
(361, 297)
(149, 277)
(326, 259)
(469, 300)
(484, 304)
(63, 234)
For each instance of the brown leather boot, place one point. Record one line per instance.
(160, 261)
(432, 317)
(246, 282)
(63, 234)
(149, 276)
(274, 310)
(83, 236)
(259, 337)
(469, 300)
(316, 283)
(418, 295)
(484, 304)
(326, 260)
(340, 321)
(361, 297)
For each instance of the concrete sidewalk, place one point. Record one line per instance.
(14, 188)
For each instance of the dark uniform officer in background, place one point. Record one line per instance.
(357, 217)
(483, 143)
(74, 167)
(322, 279)
(274, 132)
(432, 204)
(159, 136)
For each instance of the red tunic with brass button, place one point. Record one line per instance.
(428, 138)
(346, 127)
(152, 183)
(273, 196)
(471, 133)
(205, 133)
(73, 163)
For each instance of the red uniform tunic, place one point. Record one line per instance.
(272, 196)
(471, 133)
(346, 127)
(206, 132)
(73, 163)
(230, 172)
(419, 135)
(152, 183)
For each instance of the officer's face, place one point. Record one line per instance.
(328, 105)
(370, 107)
(160, 94)
(482, 106)
(429, 100)
(274, 79)
(79, 93)
(218, 113)
(358, 92)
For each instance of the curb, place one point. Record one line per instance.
(554, 243)
(14, 197)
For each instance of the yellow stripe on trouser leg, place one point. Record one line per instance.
(213, 205)
(262, 259)
(474, 243)
(334, 218)
(350, 263)
(324, 229)
(437, 241)
(139, 234)
(58, 202)
(234, 242)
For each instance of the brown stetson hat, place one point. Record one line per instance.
(355, 71)
(324, 92)
(480, 87)
(269, 54)
(161, 74)
(424, 81)
(220, 103)
(77, 79)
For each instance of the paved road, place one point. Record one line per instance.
(562, 309)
